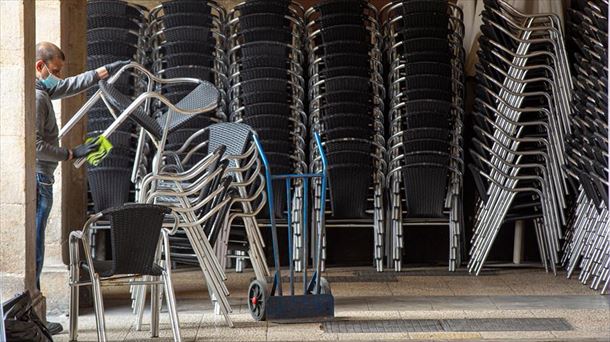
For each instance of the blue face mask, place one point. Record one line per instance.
(51, 80)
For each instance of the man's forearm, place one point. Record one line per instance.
(48, 152)
(73, 85)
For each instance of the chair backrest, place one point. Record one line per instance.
(205, 95)
(235, 136)
(121, 101)
(134, 234)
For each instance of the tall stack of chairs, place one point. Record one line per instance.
(521, 118)
(346, 96)
(198, 195)
(266, 59)
(425, 58)
(115, 31)
(587, 246)
(187, 39)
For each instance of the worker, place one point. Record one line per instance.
(49, 86)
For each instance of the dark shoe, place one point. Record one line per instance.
(54, 328)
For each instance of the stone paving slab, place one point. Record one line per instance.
(434, 296)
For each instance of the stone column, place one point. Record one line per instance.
(64, 23)
(17, 150)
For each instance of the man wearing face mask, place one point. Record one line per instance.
(49, 86)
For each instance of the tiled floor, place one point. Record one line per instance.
(411, 294)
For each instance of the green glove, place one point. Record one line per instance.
(96, 157)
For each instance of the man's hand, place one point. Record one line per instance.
(112, 68)
(84, 149)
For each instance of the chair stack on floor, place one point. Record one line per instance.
(114, 33)
(199, 196)
(587, 246)
(267, 87)
(186, 39)
(346, 95)
(425, 58)
(521, 122)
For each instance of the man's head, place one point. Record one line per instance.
(49, 59)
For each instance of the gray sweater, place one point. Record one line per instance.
(48, 152)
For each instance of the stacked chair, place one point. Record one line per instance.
(114, 33)
(425, 59)
(587, 246)
(198, 194)
(346, 95)
(186, 39)
(265, 54)
(521, 114)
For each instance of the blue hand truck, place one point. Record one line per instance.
(316, 303)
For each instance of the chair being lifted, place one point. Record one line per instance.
(203, 99)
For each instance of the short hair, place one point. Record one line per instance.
(47, 52)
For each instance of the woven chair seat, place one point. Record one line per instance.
(356, 33)
(120, 50)
(271, 121)
(345, 108)
(262, 61)
(113, 8)
(267, 48)
(191, 71)
(188, 33)
(188, 6)
(427, 68)
(264, 97)
(256, 20)
(329, 7)
(348, 132)
(425, 119)
(269, 7)
(267, 108)
(265, 133)
(346, 59)
(104, 269)
(419, 32)
(113, 34)
(423, 7)
(183, 46)
(270, 34)
(344, 71)
(339, 120)
(343, 19)
(429, 20)
(183, 59)
(423, 93)
(187, 19)
(100, 21)
(257, 73)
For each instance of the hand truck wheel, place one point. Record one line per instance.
(257, 300)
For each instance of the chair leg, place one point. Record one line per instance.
(154, 310)
(73, 328)
(140, 302)
(99, 309)
(170, 298)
